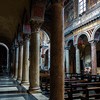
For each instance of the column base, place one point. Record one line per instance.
(26, 83)
(19, 81)
(15, 78)
(34, 90)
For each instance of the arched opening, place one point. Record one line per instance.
(44, 51)
(47, 63)
(85, 53)
(4, 58)
(72, 62)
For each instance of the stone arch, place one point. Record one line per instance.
(47, 36)
(67, 42)
(45, 33)
(45, 28)
(2, 44)
(94, 31)
(82, 33)
(45, 50)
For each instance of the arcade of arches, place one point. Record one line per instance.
(44, 42)
(85, 50)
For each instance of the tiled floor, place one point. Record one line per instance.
(11, 90)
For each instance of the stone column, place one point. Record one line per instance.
(93, 58)
(34, 57)
(16, 61)
(67, 59)
(77, 59)
(13, 62)
(20, 62)
(40, 58)
(57, 51)
(25, 72)
(49, 58)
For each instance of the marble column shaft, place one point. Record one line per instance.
(34, 71)
(57, 53)
(20, 62)
(49, 58)
(41, 59)
(77, 59)
(13, 63)
(16, 61)
(93, 58)
(25, 70)
(67, 59)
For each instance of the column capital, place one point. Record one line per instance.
(35, 25)
(20, 43)
(92, 42)
(16, 46)
(67, 47)
(26, 37)
(76, 46)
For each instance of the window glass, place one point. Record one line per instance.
(82, 6)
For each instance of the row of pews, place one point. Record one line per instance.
(82, 87)
(77, 86)
(45, 81)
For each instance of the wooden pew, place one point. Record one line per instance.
(93, 86)
(45, 81)
(71, 89)
(84, 90)
(82, 76)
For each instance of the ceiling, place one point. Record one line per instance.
(12, 14)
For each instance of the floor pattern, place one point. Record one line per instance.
(11, 90)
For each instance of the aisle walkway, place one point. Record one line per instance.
(10, 90)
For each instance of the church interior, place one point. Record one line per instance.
(50, 50)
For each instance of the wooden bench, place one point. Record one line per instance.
(89, 95)
(83, 76)
(82, 91)
(45, 82)
(71, 88)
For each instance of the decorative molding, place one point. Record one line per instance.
(85, 19)
(90, 31)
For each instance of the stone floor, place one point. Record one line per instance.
(11, 90)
